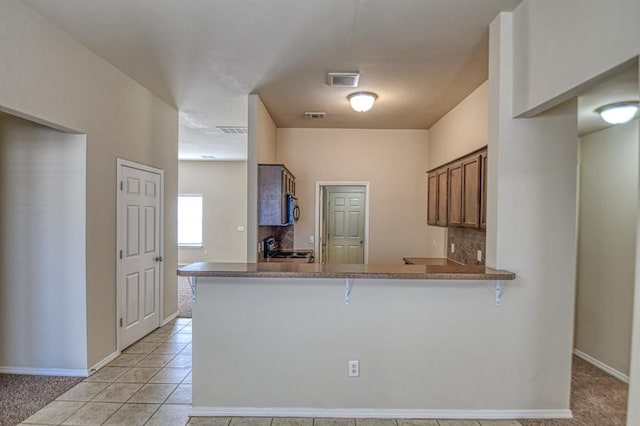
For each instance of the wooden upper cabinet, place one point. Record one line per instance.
(432, 199)
(455, 195)
(442, 182)
(471, 192)
(483, 189)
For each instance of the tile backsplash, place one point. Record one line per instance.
(467, 242)
(284, 235)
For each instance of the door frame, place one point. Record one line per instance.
(318, 217)
(119, 223)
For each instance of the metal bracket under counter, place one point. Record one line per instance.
(347, 291)
(192, 283)
(499, 291)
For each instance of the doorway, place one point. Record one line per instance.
(140, 225)
(342, 222)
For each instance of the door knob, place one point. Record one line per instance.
(159, 259)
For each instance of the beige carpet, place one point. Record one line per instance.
(597, 399)
(22, 395)
(184, 298)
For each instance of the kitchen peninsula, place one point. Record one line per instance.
(277, 339)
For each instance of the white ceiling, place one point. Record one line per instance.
(205, 56)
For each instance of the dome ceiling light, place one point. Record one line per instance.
(618, 113)
(362, 101)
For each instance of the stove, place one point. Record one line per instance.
(272, 253)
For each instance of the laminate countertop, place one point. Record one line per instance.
(435, 269)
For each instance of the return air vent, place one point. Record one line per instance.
(315, 114)
(208, 157)
(343, 79)
(232, 130)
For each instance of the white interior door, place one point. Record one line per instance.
(140, 253)
(345, 225)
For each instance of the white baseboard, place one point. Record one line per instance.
(104, 362)
(602, 366)
(45, 371)
(377, 413)
(170, 318)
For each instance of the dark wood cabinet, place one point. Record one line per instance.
(483, 189)
(275, 184)
(471, 192)
(457, 193)
(437, 197)
(442, 179)
(432, 199)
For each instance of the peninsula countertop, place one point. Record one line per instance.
(438, 269)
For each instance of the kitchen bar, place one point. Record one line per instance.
(276, 339)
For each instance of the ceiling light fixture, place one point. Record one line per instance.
(618, 113)
(362, 101)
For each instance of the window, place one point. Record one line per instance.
(190, 220)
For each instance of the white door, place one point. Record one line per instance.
(140, 253)
(345, 225)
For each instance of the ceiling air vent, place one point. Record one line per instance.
(315, 114)
(233, 130)
(343, 79)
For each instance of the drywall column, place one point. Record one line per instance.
(42, 250)
(531, 223)
(262, 148)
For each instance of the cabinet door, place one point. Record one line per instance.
(442, 182)
(455, 195)
(432, 200)
(471, 192)
(483, 196)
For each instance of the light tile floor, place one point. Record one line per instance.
(150, 384)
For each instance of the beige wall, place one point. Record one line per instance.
(42, 248)
(267, 136)
(49, 77)
(606, 247)
(462, 130)
(393, 161)
(223, 186)
(550, 67)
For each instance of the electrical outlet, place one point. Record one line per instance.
(240, 228)
(479, 256)
(205, 252)
(354, 368)
(433, 242)
(453, 248)
(312, 239)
